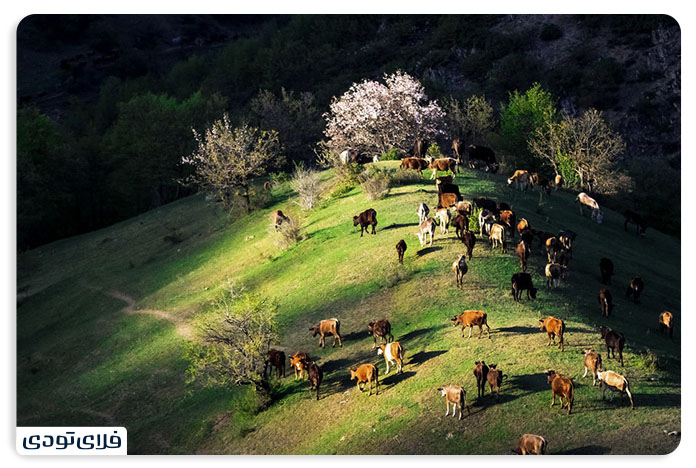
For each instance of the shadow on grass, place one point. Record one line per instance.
(530, 383)
(422, 356)
(427, 250)
(585, 450)
(355, 335)
(397, 226)
(421, 331)
(393, 378)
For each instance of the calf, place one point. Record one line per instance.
(393, 355)
(278, 218)
(316, 375)
(443, 215)
(461, 225)
(469, 240)
(605, 302)
(635, 287)
(521, 179)
(464, 208)
(366, 218)
(593, 363)
(447, 200)
(522, 252)
(666, 322)
(554, 274)
(486, 220)
(521, 282)
(508, 218)
(561, 386)
(566, 237)
(586, 200)
(606, 270)
(328, 327)
(457, 396)
(486, 204)
(615, 342)
(275, 359)
(495, 379)
(416, 164)
(531, 444)
(400, 250)
(365, 373)
(553, 247)
(497, 237)
(298, 362)
(615, 382)
(423, 211)
(469, 318)
(553, 326)
(460, 268)
(637, 219)
(426, 228)
(481, 375)
(380, 329)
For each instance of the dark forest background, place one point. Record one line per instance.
(106, 103)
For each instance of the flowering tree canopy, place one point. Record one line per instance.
(372, 117)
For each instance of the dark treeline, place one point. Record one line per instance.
(107, 103)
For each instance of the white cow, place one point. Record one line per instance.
(426, 227)
(443, 215)
(588, 201)
(393, 355)
(616, 382)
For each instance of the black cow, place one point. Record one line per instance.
(615, 342)
(521, 282)
(316, 375)
(635, 287)
(366, 218)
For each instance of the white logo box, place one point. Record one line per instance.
(72, 441)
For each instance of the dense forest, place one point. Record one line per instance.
(107, 103)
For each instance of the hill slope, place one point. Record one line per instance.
(103, 320)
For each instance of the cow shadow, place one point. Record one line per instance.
(661, 400)
(422, 356)
(394, 378)
(519, 330)
(355, 335)
(427, 250)
(529, 383)
(586, 450)
(421, 331)
(400, 225)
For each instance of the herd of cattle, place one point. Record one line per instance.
(498, 222)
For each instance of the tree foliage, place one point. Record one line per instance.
(471, 119)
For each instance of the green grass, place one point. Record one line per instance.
(105, 363)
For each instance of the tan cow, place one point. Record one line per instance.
(585, 199)
(666, 321)
(365, 373)
(553, 327)
(298, 362)
(457, 396)
(426, 228)
(447, 200)
(497, 236)
(521, 179)
(443, 164)
(593, 364)
(464, 208)
(469, 318)
(615, 382)
(531, 444)
(443, 215)
(563, 387)
(393, 355)
(328, 327)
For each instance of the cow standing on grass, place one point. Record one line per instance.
(531, 444)
(469, 318)
(457, 396)
(593, 363)
(460, 268)
(380, 329)
(563, 387)
(316, 375)
(365, 374)
(615, 382)
(666, 321)
(553, 326)
(615, 341)
(298, 362)
(481, 376)
(328, 327)
(393, 355)
(365, 219)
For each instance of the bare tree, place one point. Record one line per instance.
(471, 119)
(227, 158)
(305, 181)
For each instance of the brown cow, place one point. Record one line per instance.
(460, 268)
(365, 373)
(381, 329)
(469, 240)
(553, 248)
(366, 218)
(464, 208)
(615, 342)
(605, 302)
(615, 382)
(393, 355)
(635, 287)
(316, 375)
(495, 379)
(461, 225)
(444, 180)
(561, 386)
(522, 252)
(443, 164)
(400, 249)
(666, 321)
(509, 220)
(278, 218)
(420, 148)
(298, 362)
(481, 375)
(328, 327)
(531, 444)
(275, 359)
(457, 396)
(542, 182)
(554, 272)
(417, 164)
(553, 327)
(497, 236)
(447, 200)
(469, 318)
(458, 149)
(593, 363)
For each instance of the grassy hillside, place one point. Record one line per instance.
(104, 318)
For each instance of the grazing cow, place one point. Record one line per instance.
(486, 220)
(459, 268)
(469, 240)
(365, 374)
(553, 248)
(508, 218)
(666, 321)
(461, 225)
(542, 182)
(447, 200)
(606, 269)
(457, 396)
(315, 375)
(495, 379)
(275, 359)
(443, 164)
(635, 287)
(298, 362)
(637, 219)
(521, 179)
(553, 326)
(417, 164)
(458, 149)
(483, 154)
(497, 237)
(423, 211)
(393, 355)
(278, 218)
(444, 187)
(566, 237)
(366, 218)
(481, 375)
(426, 228)
(593, 363)
(521, 282)
(469, 318)
(443, 216)
(561, 386)
(400, 249)
(381, 329)
(615, 342)
(267, 186)
(585, 199)
(615, 382)
(605, 302)
(464, 208)
(522, 252)
(531, 444)
(486, 204)
(558, 181)
(328, 327)
(554, 272)
(420, 148)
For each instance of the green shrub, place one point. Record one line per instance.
(342, 188)
(434, 151)
(406, 177)
(566, 167)
(550, 32)
(392, 155)
(473, 219)
(375, 183)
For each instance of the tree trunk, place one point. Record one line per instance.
(245, 186)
